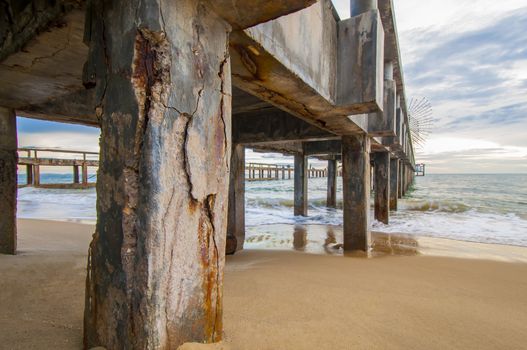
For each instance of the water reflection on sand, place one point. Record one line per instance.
(323, 239)
(327, 240)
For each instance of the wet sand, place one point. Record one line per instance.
(290, 299)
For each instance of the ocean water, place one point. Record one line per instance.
(479, 208)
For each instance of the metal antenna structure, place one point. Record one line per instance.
(421, 120)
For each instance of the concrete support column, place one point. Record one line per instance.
(382, 186)
(36, 175)
(394, 182)
(358, 7)
(400, 180)
(236, 218)
(29, 174)
(403, 180)
(332, 184)
(76, 174)
(162, 81)
(84, 174)
(356, 192)
(301, 176)
(8, 181)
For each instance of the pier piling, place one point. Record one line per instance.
(301, 176)
(394, 183)
(163, 87)
(356, 192)
(332, 184)
(382, 186)
(236, 217)
(8, 181)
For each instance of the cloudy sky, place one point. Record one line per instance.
(467, 57)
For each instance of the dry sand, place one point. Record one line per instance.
(288, 299)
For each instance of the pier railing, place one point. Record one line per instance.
(269, 172)
(33, 159)
(79, 161)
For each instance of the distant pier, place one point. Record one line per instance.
(33, 161)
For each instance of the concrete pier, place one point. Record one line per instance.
(356, 193)
(173, 86)
(332, 184)
(8, 181)
(394, 183)
(301, 177)
(381, 167)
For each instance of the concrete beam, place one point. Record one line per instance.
(274, 62)
(384, 123)
(51, 63)
(274, 125)
(242, 14)
(236, 218)
(322, 148)
(360, 63)
(356, 192)
(332, 184)
(381, 167)
(8, 181)
(162, 81)
(300, 188)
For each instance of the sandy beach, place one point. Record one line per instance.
(471, 296)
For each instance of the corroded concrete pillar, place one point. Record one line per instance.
(394, 182)
(8, 181)
(358, 7)
(332, 184)
(236, 218)
(301, 177)
(356, 192)
(161, 74)
(382, 186)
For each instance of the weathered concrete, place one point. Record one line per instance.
(381, 166)
(332, 147)
(356, 193)
(360, 61)
(274, 125)
(244, 14)
(332, 184)
(300, 185)
(383, 123)
(8, 181)
(394, 183)
(236, 218)
(162, 79)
